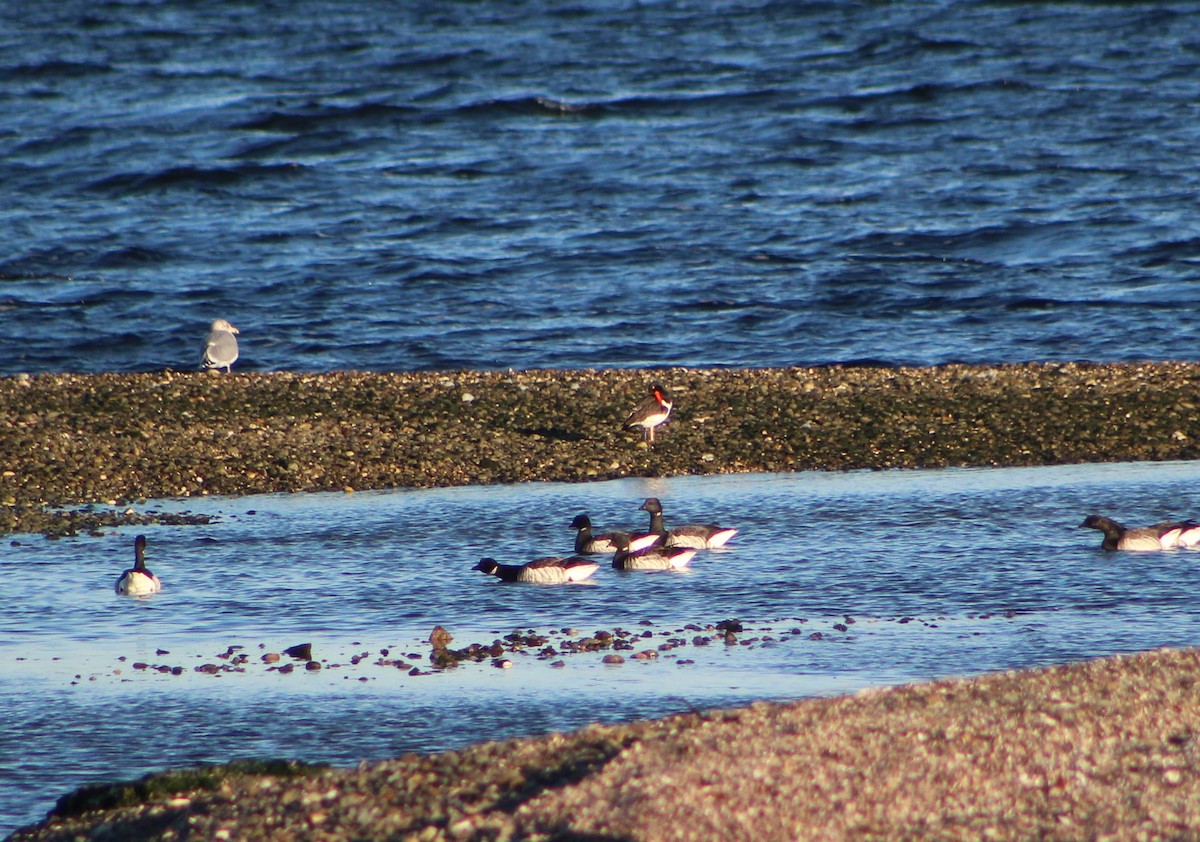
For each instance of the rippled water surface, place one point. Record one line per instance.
(841, 580)
(428, 185)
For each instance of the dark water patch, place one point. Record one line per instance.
(131, 255)
(39, 264)
(535, 105)
(317, 117)
(711, 305)
(58, 142)
(15, 272)
(1035, 304)
(54, 68)
(193, 177)
(922, 94)
(305, 145)
(1013, 244)
(101, 295)
(441, 60)
(1163, 253)
(118, 339)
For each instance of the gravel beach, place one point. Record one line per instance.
(104, 440)
(1103, 749)
(1098, 750)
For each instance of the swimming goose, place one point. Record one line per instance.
(546, 571)
(655, 558)
(1182, 534)
(137, 580)
(221, 347)
(652, 411)
(1162, 536)
(700, 536)
(586, 542)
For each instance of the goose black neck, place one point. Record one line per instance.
(656, 524)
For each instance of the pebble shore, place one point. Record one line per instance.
(1100, 750)
(105, 440)
(1103, 749)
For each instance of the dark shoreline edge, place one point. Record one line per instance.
(69, 440)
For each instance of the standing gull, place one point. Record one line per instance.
(221, 351)
(652, 411)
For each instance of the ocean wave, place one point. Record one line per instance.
(323, 117)
(193, 177)
(768, 183)
(53, 68)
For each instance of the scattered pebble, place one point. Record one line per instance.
(301, 651)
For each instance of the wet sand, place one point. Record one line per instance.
(1104, 749)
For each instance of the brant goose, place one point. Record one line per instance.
(1162, 536)
(655, 558)
(548, 571)
(699, 536)
(586, 542)
(137, 580)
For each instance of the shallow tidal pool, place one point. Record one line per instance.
(837, 581)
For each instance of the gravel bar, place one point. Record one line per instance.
(76, 449)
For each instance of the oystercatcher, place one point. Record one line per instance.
(652, 411)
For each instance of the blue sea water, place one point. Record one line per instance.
(433, 185)
(421, 186)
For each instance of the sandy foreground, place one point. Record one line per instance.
(1104, 749)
